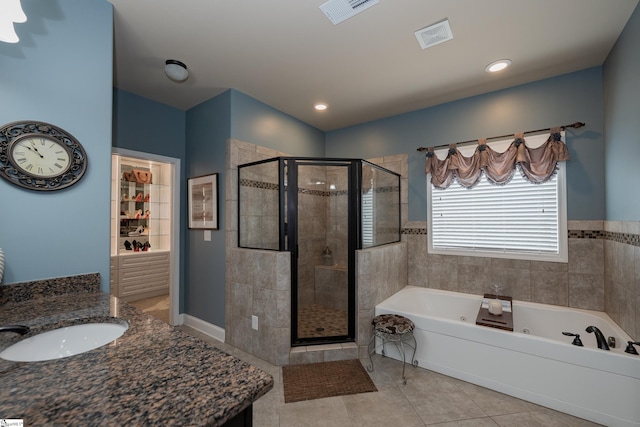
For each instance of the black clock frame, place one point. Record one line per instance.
(14, 132)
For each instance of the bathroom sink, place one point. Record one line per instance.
(64, 342)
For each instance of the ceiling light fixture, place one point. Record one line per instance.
(498, 65)
(10, 12)
(320, 106)
(176, 70)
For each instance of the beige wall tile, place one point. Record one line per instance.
(586, 256)
(636, 337)
(549, 266)
(585, 225)
(443, 275)
(474, 278)
(637, 270)
(515, 282)
(586, 291)
(510, 263)
(550, 287)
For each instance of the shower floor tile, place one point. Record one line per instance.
(316, 320)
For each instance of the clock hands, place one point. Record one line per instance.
(35, 149)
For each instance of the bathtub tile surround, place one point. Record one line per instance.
(153, 375)
(622, 274)
(602, 273)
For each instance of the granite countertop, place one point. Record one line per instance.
(153, 374)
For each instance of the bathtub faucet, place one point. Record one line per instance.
(602, 342)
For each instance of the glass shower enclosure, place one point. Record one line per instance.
(322, 211)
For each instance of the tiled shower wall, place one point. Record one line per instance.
(602, 274)
(381, 272)
(258, 282)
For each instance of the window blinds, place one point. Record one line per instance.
(517, 220)
(518, 217)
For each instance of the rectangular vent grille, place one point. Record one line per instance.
(434, 34)
(340, 10)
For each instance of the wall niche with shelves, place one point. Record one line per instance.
(141, 224)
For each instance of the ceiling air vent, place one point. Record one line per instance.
(340, 10)
(434, 34)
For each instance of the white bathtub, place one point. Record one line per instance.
(535, 362)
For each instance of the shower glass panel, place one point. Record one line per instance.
(322, 211)
(259, 205)
(380, 210)
(321, 308)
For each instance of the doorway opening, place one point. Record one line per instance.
(145, 224)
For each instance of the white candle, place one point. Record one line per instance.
(495, 307)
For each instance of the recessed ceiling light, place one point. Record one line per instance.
(496, 66)
(320, 106)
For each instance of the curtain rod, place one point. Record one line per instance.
(572, 125)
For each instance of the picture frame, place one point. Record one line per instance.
(203, 202)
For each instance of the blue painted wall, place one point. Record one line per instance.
(551, 102)
(622, 124)
(60, 72)
(208, 128)
(258, 123)
(150, 127)
(144, 125)
(209, 125)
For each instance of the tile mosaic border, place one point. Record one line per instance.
(626, 238)
(259, 184)
(271, 186)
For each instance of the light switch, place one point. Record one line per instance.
(207, 235)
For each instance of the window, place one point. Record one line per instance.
(519, 220)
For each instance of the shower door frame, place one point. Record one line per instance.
(353, 242)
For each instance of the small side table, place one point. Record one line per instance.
(396, 329)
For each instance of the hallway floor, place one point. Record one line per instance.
(428, 399)
(157, 307)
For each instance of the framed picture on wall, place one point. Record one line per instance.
(203, 202)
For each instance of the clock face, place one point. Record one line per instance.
(40, 156)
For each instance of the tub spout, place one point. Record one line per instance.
(602, 342)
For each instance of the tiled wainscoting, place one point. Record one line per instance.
(603, 271)
(258, 282)
(622, 274)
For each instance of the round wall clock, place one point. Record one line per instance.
(39, 156)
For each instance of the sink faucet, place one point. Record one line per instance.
(18, 329)
(602, 342)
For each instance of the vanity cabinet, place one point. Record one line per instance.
(140, 228)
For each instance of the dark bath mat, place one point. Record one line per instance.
(325, 379)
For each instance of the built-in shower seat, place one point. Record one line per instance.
(397, 330)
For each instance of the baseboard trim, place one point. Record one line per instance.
(206, 328)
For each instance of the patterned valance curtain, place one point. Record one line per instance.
(537, 164)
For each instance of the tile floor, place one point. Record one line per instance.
(155, 306)
(428, 399)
